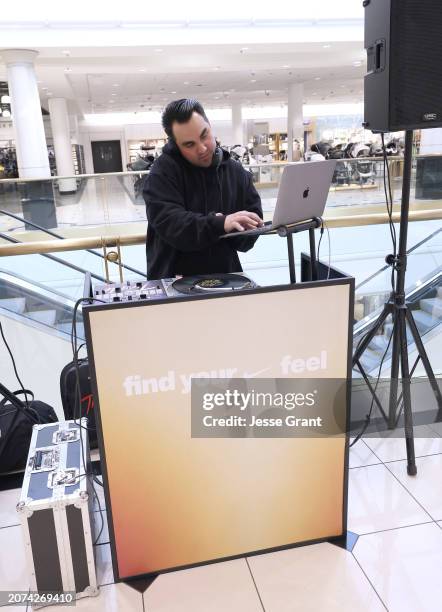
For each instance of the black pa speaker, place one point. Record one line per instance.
(403, 84)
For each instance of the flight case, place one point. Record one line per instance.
(55, 510)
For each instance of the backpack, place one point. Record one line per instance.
(69, 396)
(17, 419)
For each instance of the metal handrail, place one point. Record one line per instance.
(77, 244)
(56, 259)
(51, 233)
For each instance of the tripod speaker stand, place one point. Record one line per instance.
(401, 315)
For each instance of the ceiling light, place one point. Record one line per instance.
(326, 46)
(253, 81)
(114, 94)
(186, 83)
(358, 63)
(173, 92)
(115, 85)
(285, 66)
(317, 78)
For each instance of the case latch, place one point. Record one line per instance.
(63, 478)
(66, 435)
(44, 460)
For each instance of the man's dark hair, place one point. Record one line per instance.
(181, 111)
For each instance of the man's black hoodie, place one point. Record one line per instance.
(181, 203)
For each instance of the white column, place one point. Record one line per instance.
(295, 126)
(58, 113)
(27, 120)
(237, 126)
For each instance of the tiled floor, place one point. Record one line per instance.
(395, 564)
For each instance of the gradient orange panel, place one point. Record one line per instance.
(177, 500)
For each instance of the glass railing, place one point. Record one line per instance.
(116, 199)
(360, 181)
(101, 200)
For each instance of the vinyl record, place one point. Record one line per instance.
(212, 283)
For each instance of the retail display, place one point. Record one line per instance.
(8, 163)
(78, 159)
(151, 146)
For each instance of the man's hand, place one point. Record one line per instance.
(242, 220)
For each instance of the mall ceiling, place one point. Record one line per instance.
(128, 78)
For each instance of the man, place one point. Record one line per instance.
(194, 194)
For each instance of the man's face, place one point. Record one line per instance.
(195, 140)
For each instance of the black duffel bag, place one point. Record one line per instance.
(17, 419)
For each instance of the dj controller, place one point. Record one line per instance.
(147, 290)
(131, 291)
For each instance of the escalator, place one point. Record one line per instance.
(35, 305)
(423, 294)
(426, 306)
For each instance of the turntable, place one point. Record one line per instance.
(210, 283)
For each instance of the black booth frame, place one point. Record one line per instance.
(340, 279)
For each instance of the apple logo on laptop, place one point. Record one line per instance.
(305, 193)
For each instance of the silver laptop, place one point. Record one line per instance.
(302, 195)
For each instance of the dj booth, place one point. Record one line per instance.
(179, 494)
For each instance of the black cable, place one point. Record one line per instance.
(368, 416)
(329, 249)
(77, 412)
(389, 203)
(100, 510)
(15, 368)
(325, 226)
(320, 239)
